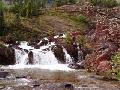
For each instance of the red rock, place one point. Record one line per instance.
(104, 66)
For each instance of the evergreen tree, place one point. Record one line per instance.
(2, 21)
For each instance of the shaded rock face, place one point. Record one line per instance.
(30, 57)
(4, 74)
(73, 51)
(58, 52)
(7, 56)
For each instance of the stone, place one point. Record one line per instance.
(75, 66)
(4, 74)
(30, 57)
(18, 77)
(7, 56)
(43, 42)
(55, 86)
(104, 66)
(72, 51)
(68, 87)
(59, 54)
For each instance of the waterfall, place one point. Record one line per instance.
(21, 57)
(44, 58)
(41, 56)
(67, 56)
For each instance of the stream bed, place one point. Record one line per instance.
(45, 79)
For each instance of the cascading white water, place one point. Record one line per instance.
(40, 56)
(43, 57)
(21, 57)
(67, 56)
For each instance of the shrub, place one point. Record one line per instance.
(72, 1)
(80, 19)
(81, 40)
(64, 2)
(116, 58)
(68, 38)
(28, 8)
(104, 3)
(2, 21)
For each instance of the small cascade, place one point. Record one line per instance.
(67, 56)
(42, 56)
(21, 57)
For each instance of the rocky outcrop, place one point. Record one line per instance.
(104, 66)
(7, 55)
(73, 51)
(30, 57)
(58, 52)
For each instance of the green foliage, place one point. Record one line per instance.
(80, 19)
(18, 36)
(116, 58)
(60, 2)
(104, 3)
(68, 38)
(28, 8)
(2, 21)
(81, 40)
(64, 2)
(72, 1)
(2, 45)
(118, 75)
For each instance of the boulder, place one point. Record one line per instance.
(72, 51)
(55, 86)
(104, 66)
(4, 74)
(58, 52)
(7, 55)
(75, 66)
(66, 87)
(30, 57)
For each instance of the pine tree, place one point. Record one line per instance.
(2, 21)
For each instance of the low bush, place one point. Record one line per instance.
(104, 3)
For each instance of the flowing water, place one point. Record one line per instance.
(46, 70)
(43, 57)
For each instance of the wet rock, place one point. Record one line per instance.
(7, 55)
(75, 66)
(73, 51)
(55, 86)
(84, 85)
(30, 57)
(67, 87)
(4, 74)
(26, 50)
(59, 54)
(18, 77)
(43, 42)
(35, 84)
